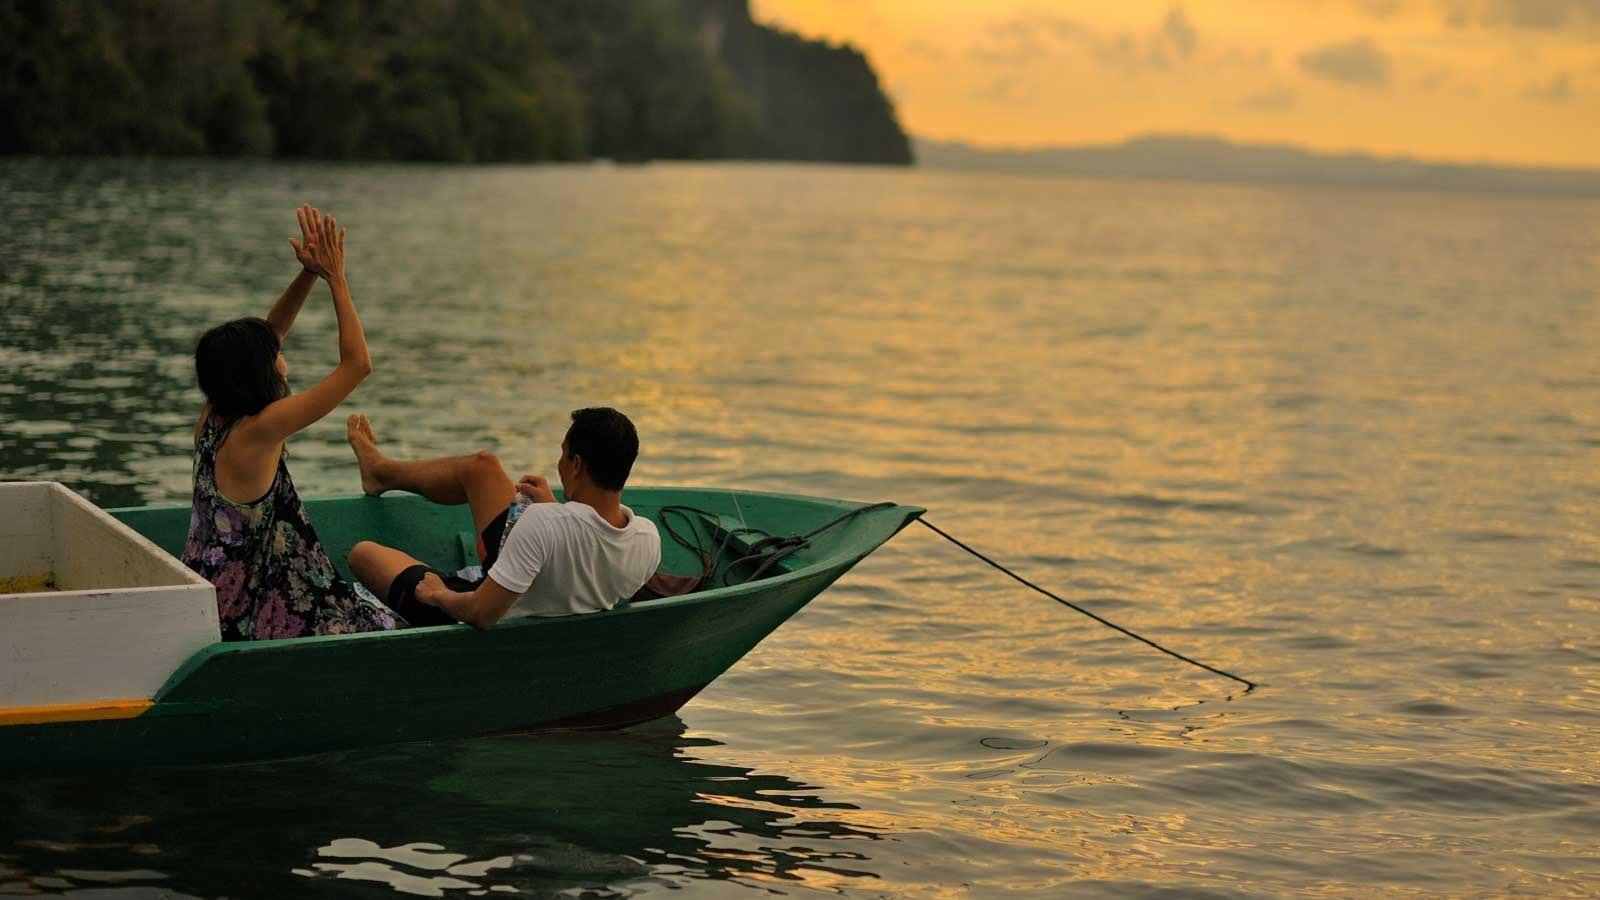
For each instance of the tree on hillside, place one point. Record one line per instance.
(451, 80)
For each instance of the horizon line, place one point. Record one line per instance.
(1308, 149)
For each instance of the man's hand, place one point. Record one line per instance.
(536, 489)
(322, 250)
(431, 589)
(486, 605)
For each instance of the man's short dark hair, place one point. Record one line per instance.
(236, 364)
(606, 441)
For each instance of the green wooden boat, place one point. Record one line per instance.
(257, 700)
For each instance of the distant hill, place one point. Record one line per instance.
(813, 100)
(1214, 159)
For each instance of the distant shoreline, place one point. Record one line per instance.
(1210, 159)
(1583, 184)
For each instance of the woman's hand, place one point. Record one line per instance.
(536, 489)
(305, 248)
(322, 250)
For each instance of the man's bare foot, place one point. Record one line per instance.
(358, 430)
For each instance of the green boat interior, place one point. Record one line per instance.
(727, 537)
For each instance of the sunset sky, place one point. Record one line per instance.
(1513, 81)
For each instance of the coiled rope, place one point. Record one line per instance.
(763, 554)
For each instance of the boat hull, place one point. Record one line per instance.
(255, 700)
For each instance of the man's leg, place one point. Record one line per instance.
(476, 479)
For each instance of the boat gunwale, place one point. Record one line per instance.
(904, 514)
(81, 593)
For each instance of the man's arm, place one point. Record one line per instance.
(480, 608)
(519, 563)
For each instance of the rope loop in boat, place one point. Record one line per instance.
(760, 557)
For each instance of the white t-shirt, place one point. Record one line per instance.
(564, 559)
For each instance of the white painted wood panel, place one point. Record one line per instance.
(126, 617)
(27, 529)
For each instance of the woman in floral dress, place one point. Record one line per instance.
(248, 533)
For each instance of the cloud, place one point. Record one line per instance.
(1275, 99)
(926, 50)
(1358, 61)
(1021, 39)
(1257, 58)
(1556, 90)
(1549, 15)
(1178, 32)
(1027, 37)
(1446, 78)
(1438, 77)
(1544, 13)
(1456, 14)
(1009, 89)
(1379, 9)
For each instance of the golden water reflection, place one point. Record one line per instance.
(1341, 442)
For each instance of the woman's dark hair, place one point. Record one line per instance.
(236, 363)
(607, 442)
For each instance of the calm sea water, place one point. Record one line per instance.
(1344, 443)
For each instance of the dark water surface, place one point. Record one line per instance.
(1345, 443)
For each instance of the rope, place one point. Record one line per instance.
(765, 553)
(1249, 685)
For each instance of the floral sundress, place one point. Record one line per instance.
(273, 578)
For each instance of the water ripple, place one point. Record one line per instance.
(1252, 422)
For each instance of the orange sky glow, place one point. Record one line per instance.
(1507, 81)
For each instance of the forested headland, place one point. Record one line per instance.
(445, 80)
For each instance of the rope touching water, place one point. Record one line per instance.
(1249, 685)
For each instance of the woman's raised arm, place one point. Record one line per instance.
(297, 411)
(283, 313)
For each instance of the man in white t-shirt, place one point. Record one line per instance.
(540, 557)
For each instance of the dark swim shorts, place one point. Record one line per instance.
(403, 591)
